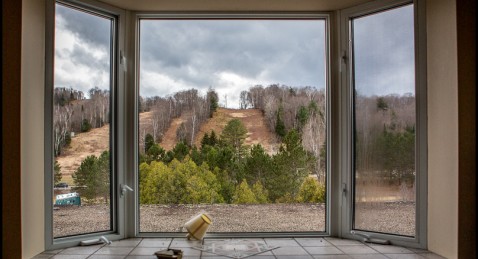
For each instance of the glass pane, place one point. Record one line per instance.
(232, 123)
(81, 117)
(384, 81)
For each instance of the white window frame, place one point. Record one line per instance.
(345, 117)
(133, 215)
(118, 133)
(339, 114)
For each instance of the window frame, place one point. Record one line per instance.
(346, 140)
(134, 27)
(117, 134)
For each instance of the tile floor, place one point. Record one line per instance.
(289, 248)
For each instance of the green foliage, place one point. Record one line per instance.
(68, 139)
(155, 153)
(260, 193)
(311, 191)
(280, 125)
(57, 175)
(396, 153)
(244, 194)
(92, 177)
(286, 198)
(85, 125)
(213, 99)
(148, 142)
(258, 164)
(210, 140)
(205, 140)
(382, 104)
(181, 150)
(178, 183)
(292, 164)
(233, 135)
(302, 116)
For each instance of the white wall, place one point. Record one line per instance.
(32, 138)
(442, 128)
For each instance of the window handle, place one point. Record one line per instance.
(124, 188)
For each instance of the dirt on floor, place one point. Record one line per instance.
(382, 217)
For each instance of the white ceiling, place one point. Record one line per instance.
(233, 5)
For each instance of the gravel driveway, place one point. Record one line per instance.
(235, 218)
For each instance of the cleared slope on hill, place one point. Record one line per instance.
(97, 140)
(253, 120)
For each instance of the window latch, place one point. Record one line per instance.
(123, 61)
(124, 188)
(344, 188)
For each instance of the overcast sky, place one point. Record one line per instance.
(233, 55)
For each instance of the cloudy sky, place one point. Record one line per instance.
(233, 55)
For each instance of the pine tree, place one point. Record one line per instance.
(244, 194)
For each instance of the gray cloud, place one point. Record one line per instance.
(203, 53)
(82, 50)
(384, 52)
(87, 27)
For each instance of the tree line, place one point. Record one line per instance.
(225, 170)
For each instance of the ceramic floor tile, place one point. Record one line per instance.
(81, 250)
(432, 256)
(388, 249)
(155, 242)
(331, 257)
(368, 256)
(43, 256)
(312, 242)
(107, 257)
(177, 243)
(289, 250)
(146, 250)
(190, 251)
(323, 250)
(119, 250)
(131, 242)
(281, 242)
(294, 257)
(140, 257)
(66, 256)
(404, 256)
(343, 242)
(356, 249)
(53, 251)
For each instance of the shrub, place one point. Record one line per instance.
(244, 194)
(311, 191)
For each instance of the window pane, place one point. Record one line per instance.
(384, 87)
(232, 122)
(81, 111)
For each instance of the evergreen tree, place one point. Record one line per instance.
(57, 176)
(280, 126)
(234, 135)
(148, 142)
(92, 177)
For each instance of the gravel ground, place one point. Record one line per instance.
(237, 218)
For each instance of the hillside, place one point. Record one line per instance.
(257, 131)
(96, 141)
